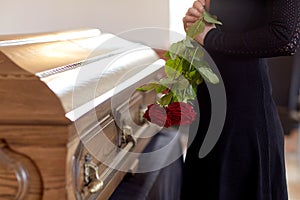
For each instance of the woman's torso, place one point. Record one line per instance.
(246, 80)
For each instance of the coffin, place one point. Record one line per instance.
(71, 122)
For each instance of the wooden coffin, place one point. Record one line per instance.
(70, 113)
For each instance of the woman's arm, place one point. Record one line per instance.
(279, 37)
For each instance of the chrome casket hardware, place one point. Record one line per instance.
(141, 114)
(91, 175)
(127, 135)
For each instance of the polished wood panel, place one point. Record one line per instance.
(45, 153)
(43, 150)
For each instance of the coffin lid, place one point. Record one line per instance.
(44, 77)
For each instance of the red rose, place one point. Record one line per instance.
(181, 113)
(157, 115)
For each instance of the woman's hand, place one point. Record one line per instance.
(192, 15)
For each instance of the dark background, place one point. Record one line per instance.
(285, 78)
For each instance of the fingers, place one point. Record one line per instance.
(193, 13)
(196, 10)
(199, 5)
(190, 19)
(202, 2)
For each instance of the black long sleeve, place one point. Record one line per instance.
(279, 36)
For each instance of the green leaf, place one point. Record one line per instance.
(204, 69)
(210, 19)
(196, 28)
(197, 53)
(185, 66)
(208, 75)
(173, 68)
(167, 55)
(167, 81)
(177, 49)
(195, 77)
(194, 55)
(160, 89)
(181, 83)
(166, 99)
(188, 43)
(171, 73)
(200, 63)
(148, 87)
(190, 93)
(199, 80)
(173, 63)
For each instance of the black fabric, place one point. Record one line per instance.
(257, 28)
(162, 184)
(247, 163)
(281, 72)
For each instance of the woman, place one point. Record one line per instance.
(248, 160)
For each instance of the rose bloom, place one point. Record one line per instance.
(181, 113)
(157, 115)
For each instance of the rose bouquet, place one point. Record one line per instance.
(185, 69)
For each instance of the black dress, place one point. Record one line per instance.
(247, 163)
